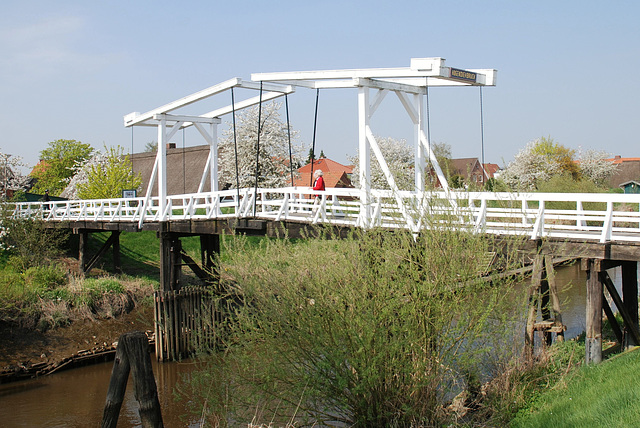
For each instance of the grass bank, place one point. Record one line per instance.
(40, 287)
(603, 395)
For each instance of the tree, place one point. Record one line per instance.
(596, 166)
(311, 156)
(274, 149)
(540, 160)
(10, 176)
(400, 160)
(103, 176)
(57, 165)
(151, 146)
(543, 159)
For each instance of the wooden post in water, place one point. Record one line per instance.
(534, 292)
(555, 300)
(544, 291)
(132, 355)
(630, 297)
(593, 340)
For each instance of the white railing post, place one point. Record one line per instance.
(607, 224)
(538, 227)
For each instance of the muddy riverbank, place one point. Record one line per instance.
(24, 352)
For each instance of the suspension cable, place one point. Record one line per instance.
(313, 143)
(184, 167)
(428, 119)
(286, 105)
(255, 197)
(235, 149)
(482, 132)
(131, 156)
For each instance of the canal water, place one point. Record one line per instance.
(76, 398)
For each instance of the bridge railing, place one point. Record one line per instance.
(601, 217)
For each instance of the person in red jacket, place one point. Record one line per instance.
(318, 183)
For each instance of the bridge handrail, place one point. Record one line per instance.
(593, 216)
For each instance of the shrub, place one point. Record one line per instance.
(376, 330)
(29, 241)
(45, 277)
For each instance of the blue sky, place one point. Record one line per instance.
(566, 69)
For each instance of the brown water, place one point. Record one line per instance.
(76, 398)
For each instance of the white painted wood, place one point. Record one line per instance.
(395, 191)
(434, 162)
(184, 101)
(380, 95)
(162, 165)
(420, 163)
(364, 155)
(189, 119)
(239, 105)
(502, 219)
(420, 68)
(391, 86)
(407, 104)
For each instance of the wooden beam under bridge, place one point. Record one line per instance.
(113, 241)
(173, 257)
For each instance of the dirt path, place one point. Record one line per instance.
(20, 347)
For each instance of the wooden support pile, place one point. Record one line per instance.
(185, 322)
(132, 355)
(543, 292)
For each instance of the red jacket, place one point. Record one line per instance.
(319, 184)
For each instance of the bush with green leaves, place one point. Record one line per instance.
(376, 330)
(28, 242)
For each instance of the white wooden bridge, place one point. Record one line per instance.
(602, 229)
(592, 217)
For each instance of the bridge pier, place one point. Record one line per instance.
(184, 317)
(593, 339)
(543, 292)
(630, 296)
(113, 241)
(598, 281)
(172, 258)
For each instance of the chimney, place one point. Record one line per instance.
(171, 145)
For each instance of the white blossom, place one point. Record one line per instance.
(529, 167)
(274, 165)
(399, 158)
(81, 174)
(596, 165)
(10, 176)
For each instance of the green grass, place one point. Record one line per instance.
(604, 395)
(140, 251)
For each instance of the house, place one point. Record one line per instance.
(628, 170)
(492, 170)
(335, 174)
(469, 169)
(184, 169)
(630, 187)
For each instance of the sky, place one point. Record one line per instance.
(566, 69)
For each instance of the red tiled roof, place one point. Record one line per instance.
(331, 179)
(491, 168)
(618, 160)
(326, 165)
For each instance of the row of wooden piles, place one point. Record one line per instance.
(185, 322)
